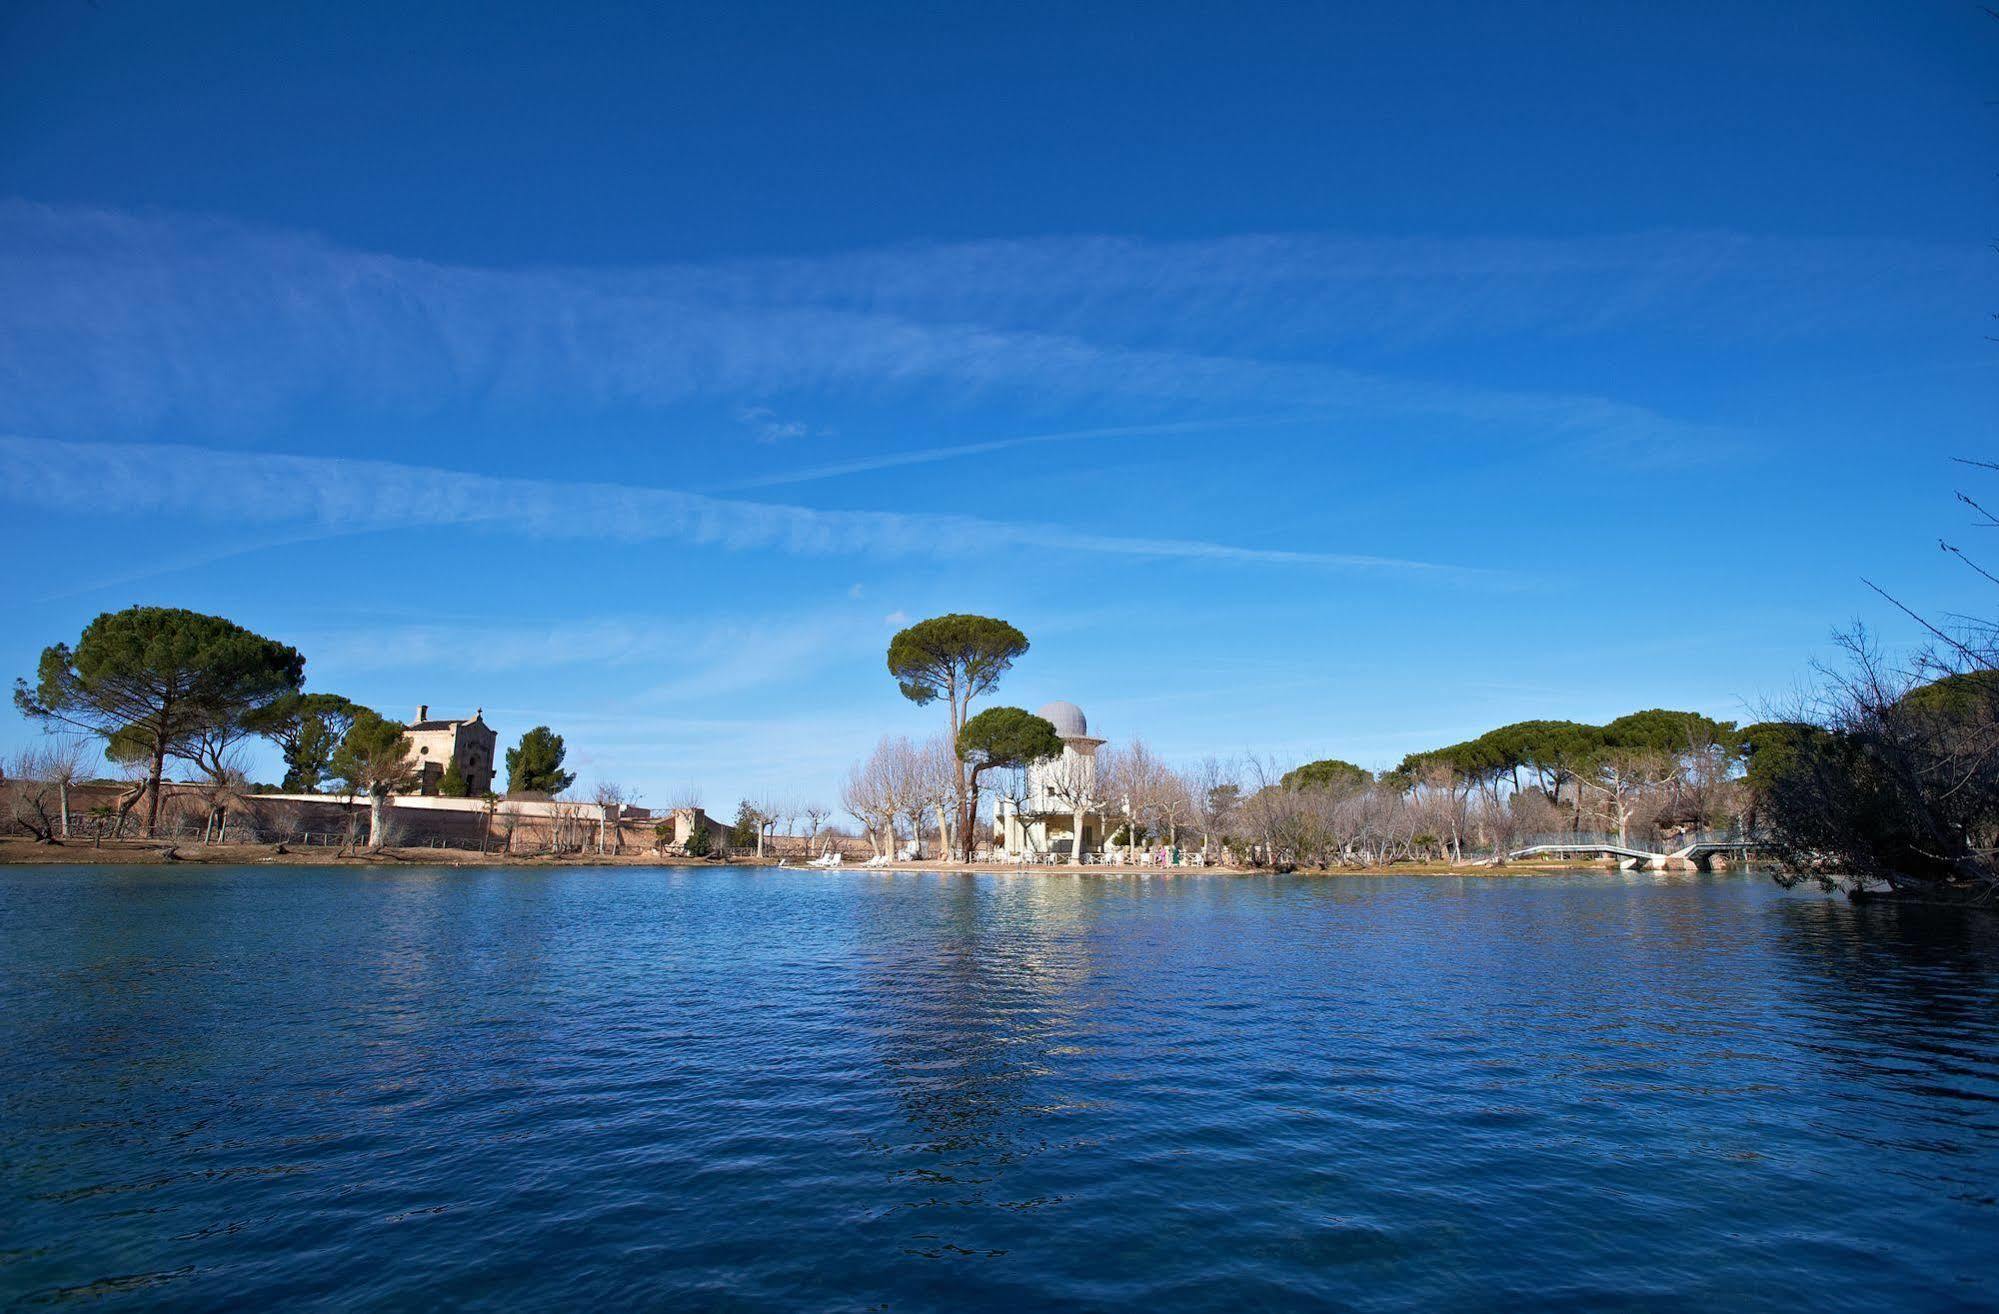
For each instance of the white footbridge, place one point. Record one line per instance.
(1696, 850)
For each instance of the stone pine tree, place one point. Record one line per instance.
(161, 681)
(307, 729)
(1329, 773)
(1005, 738)
(955, 658)
(373, 759)
(535, 766)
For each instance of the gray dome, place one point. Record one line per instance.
(1068, 719)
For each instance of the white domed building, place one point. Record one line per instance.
(1061, 796)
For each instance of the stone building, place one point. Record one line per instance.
(1061, 795)
(470, 742)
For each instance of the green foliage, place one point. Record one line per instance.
(1661, 731)
(307, 728)
(1778, 751)
(953, 656)
(749, 821)
(163, 671)
(373, 757)
(1962, 698)
(1327, 773)
(159, 682)
(452, 783)
(1002, 737)
(536, 765)
(1551, 751)
(128, 744)
(956, 658)
(1843, 796)
(1900, 786)
(699, 842)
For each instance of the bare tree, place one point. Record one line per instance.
(1068, 782)
(1172, 801)
(936, 788)
(62, 759)
(767, 813)
(1215, 787)
(227, 785)
(1622, 777)
(896, 781)
(492, 802)
(1265, 812)
(862, 797)
(900, 768)
(815, 815)
(136, 779)
(610, 799)
(1441, 798)
(1133, 781)
(508, 815)
(32, 796)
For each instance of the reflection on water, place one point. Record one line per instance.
(732, 1089)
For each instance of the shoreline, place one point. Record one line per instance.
(169, 855)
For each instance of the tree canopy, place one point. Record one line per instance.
(1552, 751)
(373, 756)
(373, 760)
(535, 766)
(307, 728)
(1003, 737)
(1327, 773)
(1773, 750)
(160, 682)
(956, 658)
(1662, 731)
(1965, 697)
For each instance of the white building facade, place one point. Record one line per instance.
(1060, 804)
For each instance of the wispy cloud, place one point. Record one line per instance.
(958, 451)
(1287, 287)
(682, 664)
(112, 325)
(340, 495)
(768, 427)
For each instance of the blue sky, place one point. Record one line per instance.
(1301, 379)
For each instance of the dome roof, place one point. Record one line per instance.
(1068, 719)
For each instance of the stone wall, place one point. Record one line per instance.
(523, 828)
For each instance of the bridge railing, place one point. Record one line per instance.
(1645, 841)
(1578, 839)
(1716, 838)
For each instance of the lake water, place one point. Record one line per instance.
(726, 1089)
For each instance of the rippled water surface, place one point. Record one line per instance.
(728, 1089)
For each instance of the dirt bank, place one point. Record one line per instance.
(162, 853)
